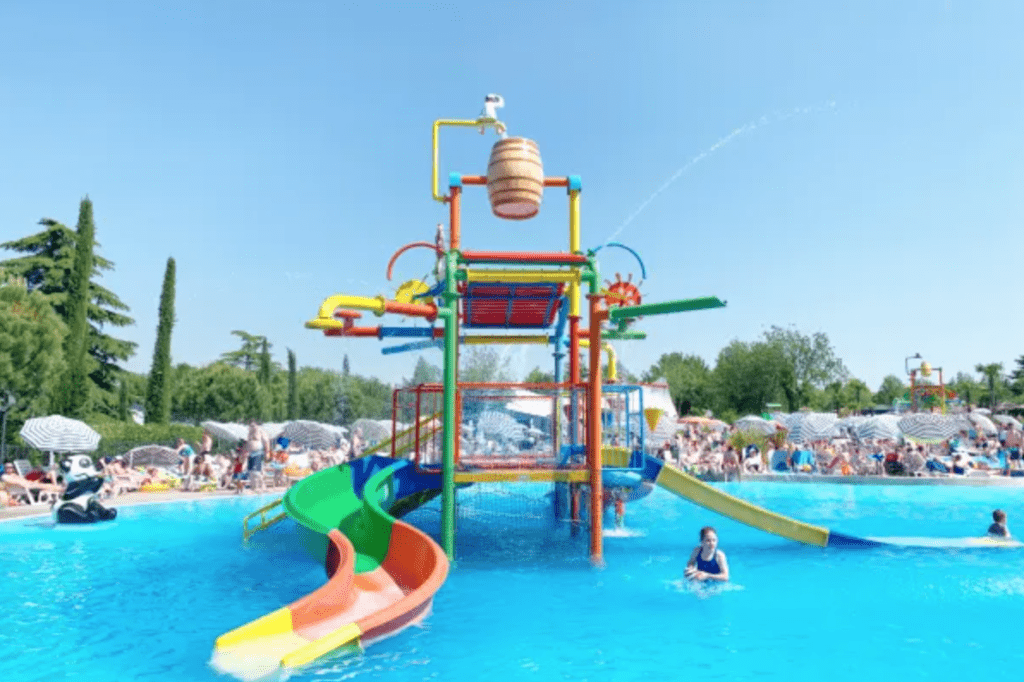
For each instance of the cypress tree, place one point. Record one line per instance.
(293, 398)
(158, 394)
(123, 412)
(74, 400)
(264, 368)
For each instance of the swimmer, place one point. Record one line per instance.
(707, 562)
(999, 528)
(620, 508)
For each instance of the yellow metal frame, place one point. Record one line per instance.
(522, 476)
(613, 372)
(524, 276)
(484, 339)
(481, 122)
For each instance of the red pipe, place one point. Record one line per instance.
(426, 310)
(482, 180)
(454, 208)
(597, 315)
(524, 257)
(411, 245)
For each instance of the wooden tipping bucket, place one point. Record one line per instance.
(515, 178)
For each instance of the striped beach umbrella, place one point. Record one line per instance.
(982, 423)
(226, 431)
(811, 426)
(59, 434)
(1006, 420)
(930, 428)
(313, 434)
(500, 425)
(879, 427)
(754, 424)
(153, 455)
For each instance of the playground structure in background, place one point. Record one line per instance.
(532, 297)
(923, 395)
(582, 436)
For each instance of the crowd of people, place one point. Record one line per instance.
(709, 454)
(255, 463)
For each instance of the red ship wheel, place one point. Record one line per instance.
(621, 293)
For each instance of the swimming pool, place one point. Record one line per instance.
(145, 597)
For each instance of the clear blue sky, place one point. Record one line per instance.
(851, 168)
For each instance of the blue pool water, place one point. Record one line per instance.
(144, 597)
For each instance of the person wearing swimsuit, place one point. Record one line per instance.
(707, 562)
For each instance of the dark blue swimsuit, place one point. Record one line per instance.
(711, 566)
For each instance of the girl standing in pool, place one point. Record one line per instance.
(707, 562)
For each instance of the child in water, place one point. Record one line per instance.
(999, 528)
(620, 508)
(707, 562)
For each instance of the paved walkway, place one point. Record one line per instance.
(128, 499)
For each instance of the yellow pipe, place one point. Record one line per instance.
(613, 374)
(327, 308)
(455, 122)
(523, 276)
(574, 247)
(481, 339)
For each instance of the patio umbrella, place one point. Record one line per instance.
(59, 434)
(754, 424)
(928, 427)
(499, 425)
(373, 429)
(982, 423)
(312, 434)
(273, 430)
(1005, 419)
(812, 426)
(230, 432)
(153, 455)
(880, 427)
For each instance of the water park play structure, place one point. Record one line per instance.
(584, 435)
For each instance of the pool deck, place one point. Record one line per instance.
(969, 481)
(136, 498)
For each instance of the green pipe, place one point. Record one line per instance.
(665, 307)
(624, 336)
(449, 313)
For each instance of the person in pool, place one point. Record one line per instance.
(707, 562)
(999, 528)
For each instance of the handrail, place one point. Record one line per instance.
(264, 522)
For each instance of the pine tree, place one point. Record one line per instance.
(344, 365)
(74, 394)
(48, 268)
(247, 356)
(293, 396)
(158, 394)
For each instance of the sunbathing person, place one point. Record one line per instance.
(10, 475)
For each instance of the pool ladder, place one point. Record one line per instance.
(265, 522)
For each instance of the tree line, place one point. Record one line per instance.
(58, 354)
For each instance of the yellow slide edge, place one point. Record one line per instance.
(709, 497)
(322, 646)
(274, 623)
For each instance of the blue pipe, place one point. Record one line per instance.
(404, 331)
(415, 345)
(643, 270)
